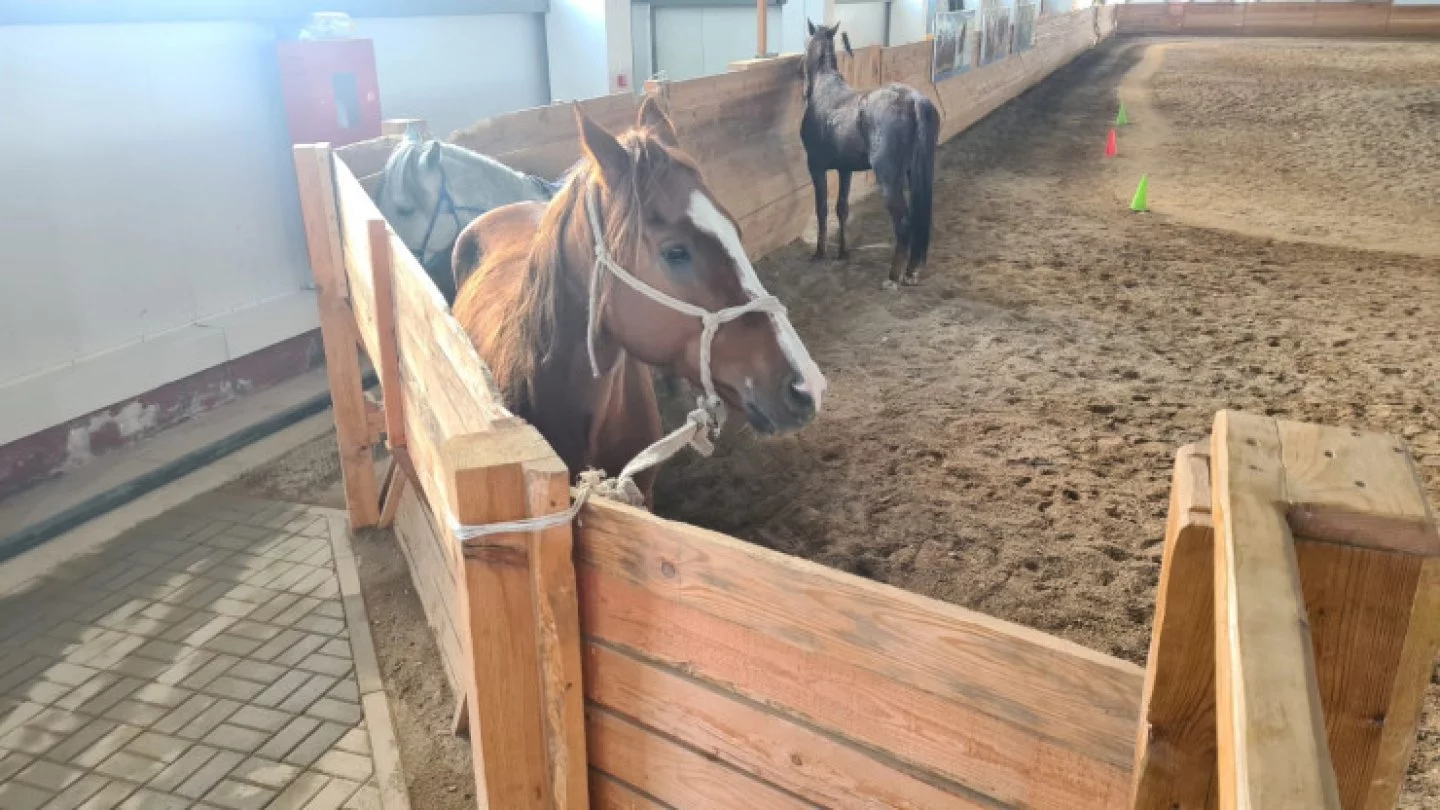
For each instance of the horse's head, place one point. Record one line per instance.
(430, 190)
(820, 52)
(664, 228)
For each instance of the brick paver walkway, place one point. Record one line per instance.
(199, 660)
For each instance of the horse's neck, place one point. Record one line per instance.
(570, 400)
(830, 90)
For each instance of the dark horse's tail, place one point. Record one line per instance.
(922, 178)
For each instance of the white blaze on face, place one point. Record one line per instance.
(709, 219)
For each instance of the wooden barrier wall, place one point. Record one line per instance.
(724, 675)
(744, 126)
(1344, 19)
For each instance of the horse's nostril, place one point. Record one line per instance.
(799, 398)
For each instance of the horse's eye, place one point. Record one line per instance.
(676, 256)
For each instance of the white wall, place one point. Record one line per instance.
(589, 48)
(453, 71)
(149, 225)
(907, 21)
(641, 37)
(864, 22)
(691, 42)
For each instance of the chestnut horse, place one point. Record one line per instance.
(569, 347)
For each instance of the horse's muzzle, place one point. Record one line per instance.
(787, 410)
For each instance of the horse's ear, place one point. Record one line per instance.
(601, 147)
(811, 26)
(653, 118)
(430, 157)
(845, 38)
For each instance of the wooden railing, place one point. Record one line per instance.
(1341, 19)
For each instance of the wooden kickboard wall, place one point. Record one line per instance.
(722, 675)
(744, 126)
(1341, 19)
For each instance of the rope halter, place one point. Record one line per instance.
(710, 322)
(702, 424)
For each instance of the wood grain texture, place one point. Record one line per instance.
(435, 582)
(1273, 753)
(388, 360)
(758, 741)
(975, 701)
(1365, 540)
(488, 475)
(675, 774)
(608, 793)
(557, 630)
(315, 177)
(1175, 749)
(356, 211)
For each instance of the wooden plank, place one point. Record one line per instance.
(1351, 19)
(674, 774)
(388, 357)
(1366, 546)
(314, 174)
(488, 480)
(365, 158)
(557, 627)
(1212, 18)
(1175, 749)
(1273, 753)
(394, 486)
(356, 212)
(952, 737)
(1058, 689)
(434, 583)
(1355, 488)
(1279, 19)
(954, 741)
(607, 793)
(756, 741)
(1413, 21)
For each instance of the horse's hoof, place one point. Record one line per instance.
(843, 255)
(910, 280)
(889, 285)
(817, 256)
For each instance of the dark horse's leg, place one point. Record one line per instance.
(842, 208)
(892, 184)
(822, 217)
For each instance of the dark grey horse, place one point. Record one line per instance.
(892, 129)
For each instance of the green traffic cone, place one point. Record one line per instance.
(1121, 119)
(1139, 203)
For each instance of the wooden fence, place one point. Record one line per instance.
(633, 662)
(1340, 19)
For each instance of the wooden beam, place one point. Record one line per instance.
(1369, 560)
(525, 701)
(393, 489)
(389, 359)
(1273, 753)
(1175, 751)
(342, 359)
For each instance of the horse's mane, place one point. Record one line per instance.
(526, 328)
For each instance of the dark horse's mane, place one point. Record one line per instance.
(526, 327)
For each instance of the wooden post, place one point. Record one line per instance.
(389, 359)
(1273, 753)
(1369, 560)
(762, 29)
(337, 329)
(399, 126)
(526, 702)
(1175, 751)
(1367, 553)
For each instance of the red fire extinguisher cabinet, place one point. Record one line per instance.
(330, 89)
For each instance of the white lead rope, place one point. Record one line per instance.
(701, 426)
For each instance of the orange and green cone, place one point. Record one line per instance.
(1139, 203)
